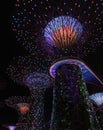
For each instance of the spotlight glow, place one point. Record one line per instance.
(23, 108)
(11, 127)
(37, 21)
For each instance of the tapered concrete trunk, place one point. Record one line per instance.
(71, 108)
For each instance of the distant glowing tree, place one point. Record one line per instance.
(23, 105)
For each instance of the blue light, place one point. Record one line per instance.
(97, 98)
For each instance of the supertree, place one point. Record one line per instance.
(62, 32)
(23, 105)
(27, 72)
(65, 29)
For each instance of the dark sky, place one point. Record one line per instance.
(9, 48)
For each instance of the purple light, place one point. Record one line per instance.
(11, 127)
(63, 31)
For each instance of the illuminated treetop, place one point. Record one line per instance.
(34, 20)
(63, 31)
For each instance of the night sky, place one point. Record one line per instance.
(10, 48)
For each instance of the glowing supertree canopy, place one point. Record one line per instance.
(61, 22)
(63, 31)
(97, 98)
(32, 74)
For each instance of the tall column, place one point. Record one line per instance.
(71, 107)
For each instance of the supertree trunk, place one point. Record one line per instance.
(37, 110)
